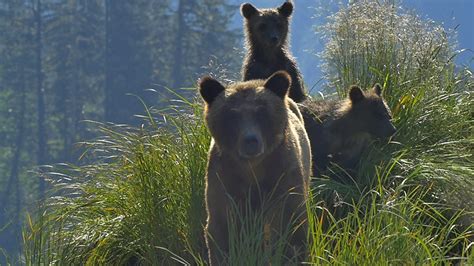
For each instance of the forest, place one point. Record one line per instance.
(103, 147)
(66, 62)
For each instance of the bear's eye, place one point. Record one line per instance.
(231, 117)
(263, 119)
(262, 26)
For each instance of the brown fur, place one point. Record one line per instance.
(254, 108)
(266, 32)
(340, 130)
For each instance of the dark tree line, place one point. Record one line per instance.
(65, 61)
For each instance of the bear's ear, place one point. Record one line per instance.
(356, 94)
(248, 10)
(377, 89)
(279, 83)
(210, 88)
(286, 9)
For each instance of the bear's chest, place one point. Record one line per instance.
(272, 66)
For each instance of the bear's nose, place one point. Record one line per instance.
(392, 130)
(387, 131)
(274, 39)
(251, 146)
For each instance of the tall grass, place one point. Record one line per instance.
(430, 160)
(138, 198)
(431, 98)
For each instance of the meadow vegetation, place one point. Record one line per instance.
(138, 196)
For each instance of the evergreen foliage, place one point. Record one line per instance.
(66, 62)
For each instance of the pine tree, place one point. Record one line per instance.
(75, 41)
(16, 76)
(127, 65)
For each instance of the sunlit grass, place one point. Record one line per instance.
(431, 98)
(141, 200)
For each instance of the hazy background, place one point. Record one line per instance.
(64, 62)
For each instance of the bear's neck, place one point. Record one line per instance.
(265, 54)
(268, 55)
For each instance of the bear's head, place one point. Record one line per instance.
(368, 113)
(247, 119)
(267, 28)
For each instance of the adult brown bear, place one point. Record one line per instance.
(259, 149)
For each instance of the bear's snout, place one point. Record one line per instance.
(251, 146)
(387, 130)
(392, 130)
(274, 39)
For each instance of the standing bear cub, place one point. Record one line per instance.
(259, 150)
(266, 34)
(340, 130)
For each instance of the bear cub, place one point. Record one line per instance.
(259, 149)
(266, 34)
(340, 130)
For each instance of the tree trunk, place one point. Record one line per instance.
(108, 105)
(20, 139)
(41, 134)
(14, 180)
(178, 51)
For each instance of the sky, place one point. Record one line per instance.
(305, 44)
(451, 13)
